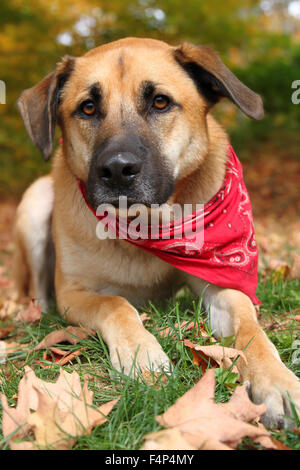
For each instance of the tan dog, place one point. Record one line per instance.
(142, 105)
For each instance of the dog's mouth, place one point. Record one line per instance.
(144, 193)
(124, 204)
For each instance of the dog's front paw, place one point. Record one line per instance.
(145, 353)
(277, 393)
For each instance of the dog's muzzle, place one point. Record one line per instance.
(127, 166)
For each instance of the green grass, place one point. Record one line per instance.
(134, 415)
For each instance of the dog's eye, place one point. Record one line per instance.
(161, 102)
(88, 108)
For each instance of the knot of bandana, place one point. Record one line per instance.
(226, 252)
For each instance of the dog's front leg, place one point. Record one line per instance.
(119, 325)
(232, 313)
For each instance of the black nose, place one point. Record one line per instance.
(119, 169)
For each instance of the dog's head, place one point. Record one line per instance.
(132, 115)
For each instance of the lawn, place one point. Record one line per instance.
(134, 415)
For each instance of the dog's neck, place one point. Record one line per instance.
(202, 184)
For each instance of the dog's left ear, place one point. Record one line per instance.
(214, 80)
(38, 106)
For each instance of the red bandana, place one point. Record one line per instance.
(226, 254)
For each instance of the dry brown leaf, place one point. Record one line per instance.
(167, 439)
(57, 429)
(71, 334)
(151, 378)
(31, 314)
(221, 355)
(275, 325)
(11, 347)
(186, 325)
(62, 357)
(5, 331)
(268, 441)
(62, 412)
(203, 421)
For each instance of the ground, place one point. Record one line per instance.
(276, 210)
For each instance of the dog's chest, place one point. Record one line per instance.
(111, 266)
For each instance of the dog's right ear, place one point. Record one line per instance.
(38, 106)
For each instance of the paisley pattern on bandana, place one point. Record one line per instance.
(225, 253)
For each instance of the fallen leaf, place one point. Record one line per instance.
(11, 347)
(71, 334)
(275, 325)
(221, 355)
(31, 314)
(167, 439)
(62, 357)
(62, 411)
(206, 424)
(269, 442)
(5, 331)
(153, 378)
(186, 325)
(297, 318)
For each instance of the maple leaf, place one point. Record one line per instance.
(208, 425)
(31, 314)
(62, 411)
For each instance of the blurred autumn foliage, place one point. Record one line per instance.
(259, 40)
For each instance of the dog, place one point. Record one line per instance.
(135, 121)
